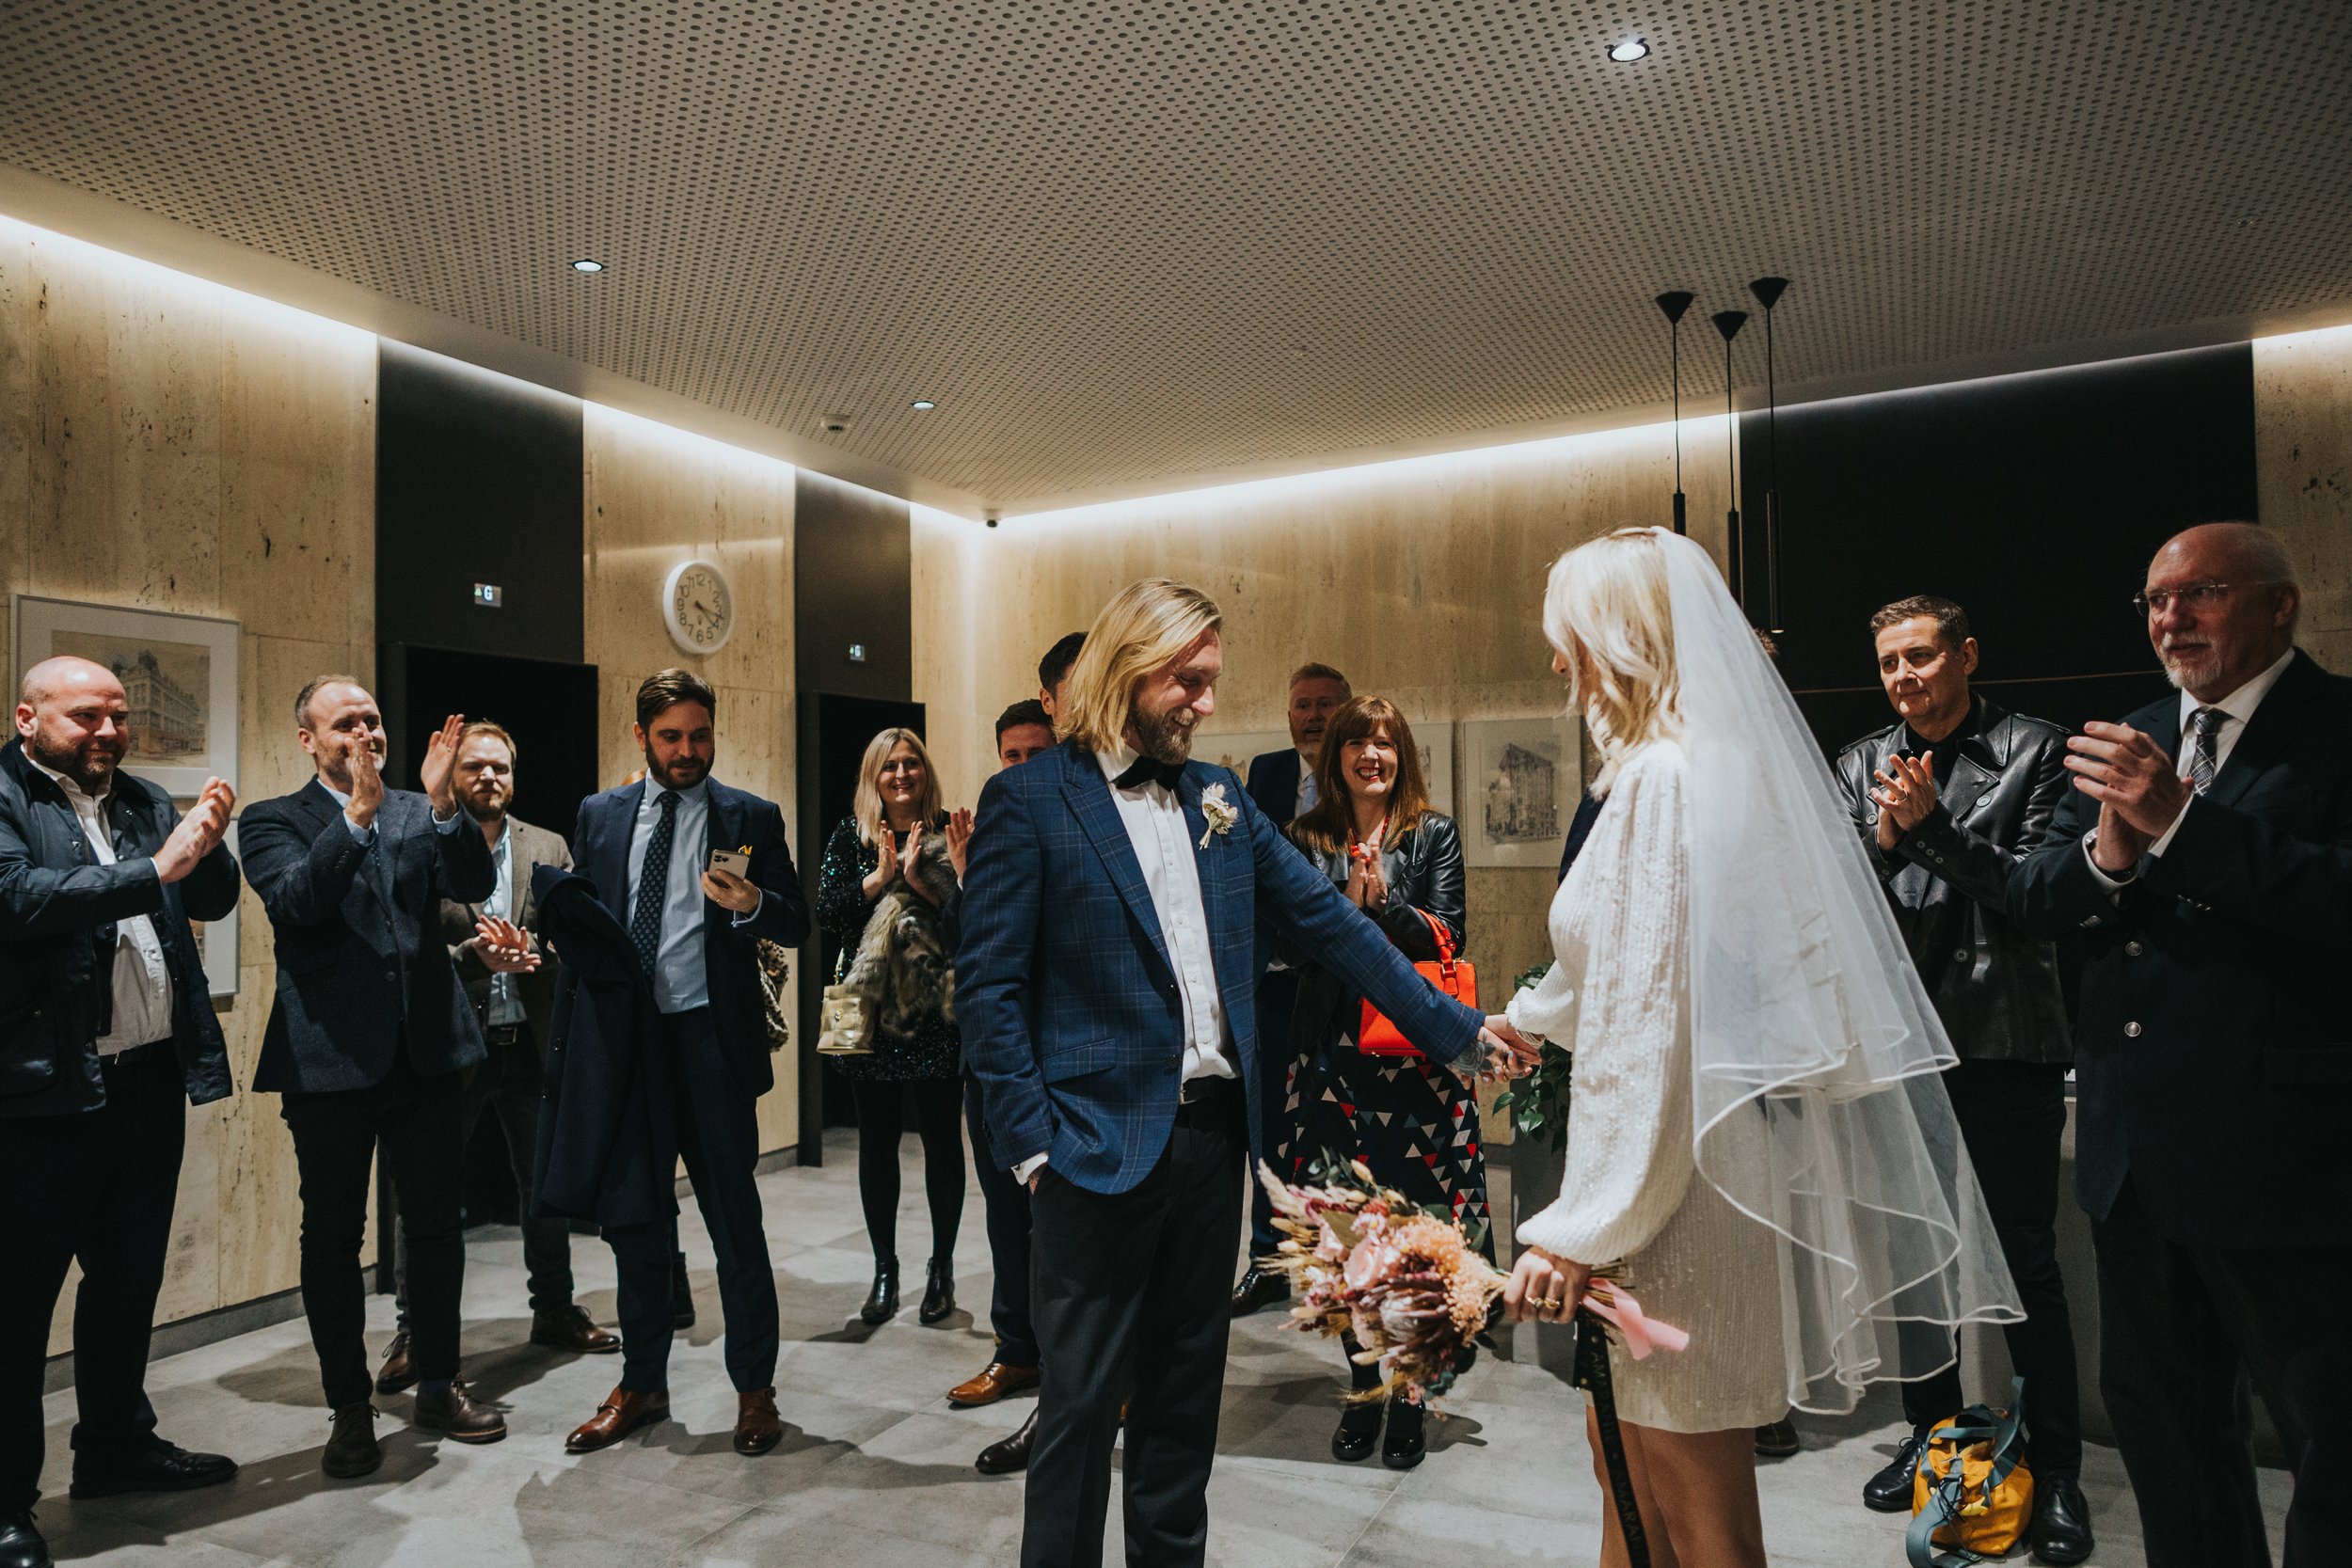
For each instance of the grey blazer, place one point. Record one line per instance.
(532, 848)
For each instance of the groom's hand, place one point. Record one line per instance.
(1505, 1052)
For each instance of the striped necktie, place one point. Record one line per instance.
(2205, 754)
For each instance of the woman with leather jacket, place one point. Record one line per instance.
(1413, 1122)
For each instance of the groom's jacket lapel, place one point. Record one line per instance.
(1089, 797)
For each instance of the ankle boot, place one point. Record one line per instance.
(1402, 1447)
(882, 1302)
(939, 1291)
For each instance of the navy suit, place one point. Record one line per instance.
(1073, 1023)
(714, 1062)
(1274, 783)
(2214, 1069)
(367, 1041)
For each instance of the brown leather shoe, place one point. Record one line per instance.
(1007, 1455)
(400, 1373)
(571, 1328)
(455, 1414)
(351, 1449)
(995, 1381)
(757, 1427)
(623, 1412)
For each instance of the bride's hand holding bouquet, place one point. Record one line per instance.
(1545, 1289)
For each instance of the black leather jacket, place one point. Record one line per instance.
(1424, 872)
(1996, 987)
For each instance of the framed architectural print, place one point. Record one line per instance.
(1520, 779)
(180, 672)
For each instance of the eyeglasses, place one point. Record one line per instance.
(2194, 595)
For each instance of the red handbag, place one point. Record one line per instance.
(1457, 977)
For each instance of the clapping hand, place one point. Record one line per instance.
(2139, 787)
(910, 854)
(1906, 796)
(440, 763)
(367, 779)
(885, 863)
(504, 947)
(196, 835)
(960, 840)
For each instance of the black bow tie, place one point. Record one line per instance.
(1146, 771)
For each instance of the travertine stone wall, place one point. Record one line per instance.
(655, 498)
(2303, 452)
(165, 444)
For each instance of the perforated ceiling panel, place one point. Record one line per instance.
(1118, 240)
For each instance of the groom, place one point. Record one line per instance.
(1106, 985)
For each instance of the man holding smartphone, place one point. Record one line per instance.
(697, 872)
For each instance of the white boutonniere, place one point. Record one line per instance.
(1219, 811)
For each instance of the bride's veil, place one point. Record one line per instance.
(1817, 1104)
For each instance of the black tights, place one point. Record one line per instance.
(880, 1120)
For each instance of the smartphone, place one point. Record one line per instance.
(739, 861)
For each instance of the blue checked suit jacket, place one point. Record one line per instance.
(1072, 1020)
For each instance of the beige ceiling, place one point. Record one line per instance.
(1125, 243)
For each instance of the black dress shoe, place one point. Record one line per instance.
(1259, 1288)
(681, 1294)
(939, 1291)
(1890, 1491)
(1009, 1454)
(351, 1449)
(1406, 1444)
(1778, 1440)
(882, 1302)
(21, 1545)
(2062, 1522)
(159, 1467)
(1358, 1433)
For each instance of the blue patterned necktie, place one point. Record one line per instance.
(2204, 756)
(653, 885)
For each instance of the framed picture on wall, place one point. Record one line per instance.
(1435, 738)
(180, 672)
(1521, 781)
(1235, 749)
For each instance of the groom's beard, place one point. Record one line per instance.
(1166, 738)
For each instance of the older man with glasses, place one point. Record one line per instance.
(2203, 861)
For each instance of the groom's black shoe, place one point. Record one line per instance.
(1890, 1491)
(1259, 1288)
(2062, 1522)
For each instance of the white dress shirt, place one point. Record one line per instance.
(142, 986)
(1163, 841)
(2235, 710)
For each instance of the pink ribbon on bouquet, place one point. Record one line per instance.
(1642, 1333)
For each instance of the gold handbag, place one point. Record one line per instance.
(848, 1017)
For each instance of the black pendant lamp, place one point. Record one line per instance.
(1674, 301)
(1729, 323)
(1768, 291)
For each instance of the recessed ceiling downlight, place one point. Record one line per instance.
(1629, 50)
(587, 265)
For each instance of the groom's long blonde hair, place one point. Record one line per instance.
(1143, 628)
(1607, 610)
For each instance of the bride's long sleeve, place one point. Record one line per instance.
(1629, 1159)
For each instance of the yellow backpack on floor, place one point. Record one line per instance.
(1972, 1494)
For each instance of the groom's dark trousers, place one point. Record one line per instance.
(1147, 1268)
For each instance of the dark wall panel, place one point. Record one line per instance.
(852, 574)
(477, 480)
(2035, 500)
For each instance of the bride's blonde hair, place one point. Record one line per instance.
(1607, 611)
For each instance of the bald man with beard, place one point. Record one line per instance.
(107, 1037)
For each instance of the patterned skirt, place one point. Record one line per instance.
(1413, 1122)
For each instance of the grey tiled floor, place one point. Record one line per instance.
(875, 1467)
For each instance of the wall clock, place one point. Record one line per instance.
(698, 607)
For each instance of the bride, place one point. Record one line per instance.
(1756, 1133)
